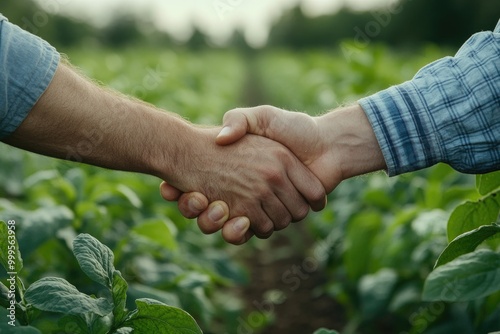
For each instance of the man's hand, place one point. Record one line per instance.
(335, 146)
(299, 132)
(257, 178)
(211, 217)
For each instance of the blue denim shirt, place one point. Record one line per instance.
(27, 65)
(449, 112)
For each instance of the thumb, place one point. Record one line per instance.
(238, 122)
(234, 127)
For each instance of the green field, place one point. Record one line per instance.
(374, 244)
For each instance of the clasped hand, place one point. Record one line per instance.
(331, 148)
(301, 134)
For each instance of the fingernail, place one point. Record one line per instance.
(195, 204)
(224, 132)
(240, 225)
(216, 213)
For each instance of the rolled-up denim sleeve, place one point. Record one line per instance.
(27, 66)
(449, 112)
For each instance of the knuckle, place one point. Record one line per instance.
(301, 212)
(274, 176)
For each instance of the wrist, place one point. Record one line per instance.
(181, 157)
(172, 143)
(351, 141)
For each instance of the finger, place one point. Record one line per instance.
(263, 227)
(237, 231)
(213, 218)
(308, 185)
(169, 193)
(191, 205)
(278, 213)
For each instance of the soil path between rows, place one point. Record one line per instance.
(279, 278)
(285, 282)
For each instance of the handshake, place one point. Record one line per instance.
(266, 167)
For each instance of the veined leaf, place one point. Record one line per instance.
(137, 290)
(74, 324)
(95, 259)
(375, 291)
(38, 226)
(158, 232)
(154, 317)
(54, 294)
(466, 243)
(472, 215)
(10, 257)
(486, 183)
(468, 277)
(119, 293)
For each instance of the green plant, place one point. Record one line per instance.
(84, 313)
(161, 254)
(464, 272)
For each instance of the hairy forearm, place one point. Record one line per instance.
(77, 120)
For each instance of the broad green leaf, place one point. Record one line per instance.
(154, 317)
(375, 291)
(325, 331)
(54, 294)
(468, 277)
(74, 324)
(95, 259)
(87, 323)
(124, 330)
(4, 292)
(119, 293)
(192, 280)
(51, 185)
(137, 291)
(158, 232)
(99, 325)
(200, 304)
(10, 257)
(361, 232)
(40, 176)
(130, 195)
(486, 183)
(466, 243)
(471, 215)
(40, 225)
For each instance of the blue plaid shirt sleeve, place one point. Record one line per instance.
(27, 66)
(449, 112)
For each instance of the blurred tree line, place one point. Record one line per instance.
(409, 23)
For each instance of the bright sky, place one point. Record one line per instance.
(217, 18)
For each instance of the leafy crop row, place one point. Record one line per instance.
(379, 237)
